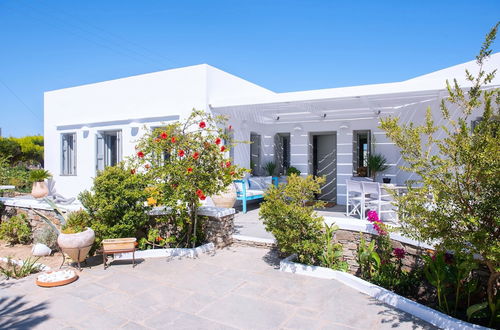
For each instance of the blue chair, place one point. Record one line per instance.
(249, 194)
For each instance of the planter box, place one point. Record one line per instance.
(113, 244)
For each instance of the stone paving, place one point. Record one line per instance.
(236, 288)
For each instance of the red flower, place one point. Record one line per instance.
(203, 197)
(232, 173)
(163, 135)
(132, 171)
(399, 253)
(181, 153)
(190, 170)
(223, 148)
(228, 164)
(196, 155)
(202, 124)
(218, 141)
(173, 139)
(140, 154)
(230, 127)
(199, 192)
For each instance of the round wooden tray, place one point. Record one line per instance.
(58, 283)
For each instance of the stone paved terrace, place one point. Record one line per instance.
(237, 288)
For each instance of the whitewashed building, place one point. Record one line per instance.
(328, 131)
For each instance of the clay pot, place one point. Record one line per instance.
(39, 189)
(78, 245)
(225, 199)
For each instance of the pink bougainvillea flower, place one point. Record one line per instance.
(190, 170)
(173, 139)
(181, 153)
(228, 164)
(218, 141)
(132, 171)
(372, 216)
(163, 135)
(230, 127)
(203, 124)
(223, 148)
(140, 154)
(196, 155)
(399, 253)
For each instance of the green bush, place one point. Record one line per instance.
(116, 204)
(292, 170)
(288, 213)
(16, 230)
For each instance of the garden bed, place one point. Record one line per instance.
(425, 313)
(22, 252)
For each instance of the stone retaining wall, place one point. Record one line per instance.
(218, 230)
(351, 239)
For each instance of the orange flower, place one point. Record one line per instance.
(159, 239)
(157, 140)
(151, 201)
(232, 173)
(147, 166)
(132, 171)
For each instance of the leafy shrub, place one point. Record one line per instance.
(292, 170)
(292, 220)
(17, 176)
(270, 168)
(46, 236)
(12, 270)
(116, 204)
(77, 222)
(332, 256)
(16, 229)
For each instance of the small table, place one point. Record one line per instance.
(105, 254)
(118, 245)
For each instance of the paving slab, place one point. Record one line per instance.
(237, 288)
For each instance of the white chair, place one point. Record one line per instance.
(378, 200)
(356, 198)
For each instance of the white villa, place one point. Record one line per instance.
(326, 131)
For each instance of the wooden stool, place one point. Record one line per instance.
(118, 245)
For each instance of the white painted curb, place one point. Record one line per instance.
(254, 239)
(173, 252)
(425, 313)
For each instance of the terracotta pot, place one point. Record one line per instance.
(227, 198)
(39, 189)
(77, 245)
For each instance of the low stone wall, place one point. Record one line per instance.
(218, 230)
(36, 221)
(351, 239)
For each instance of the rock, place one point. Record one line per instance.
(40, 250)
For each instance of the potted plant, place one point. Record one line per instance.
(376, 164)
(270, 168)
(38, 177)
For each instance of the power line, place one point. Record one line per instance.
(20, 100)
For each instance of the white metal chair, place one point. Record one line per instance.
(355, 198)
(378, 200)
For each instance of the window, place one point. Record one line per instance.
(360, 152)
(108, 149)
(230, 142)
(68, 154)
(282, 151)
(255, 153)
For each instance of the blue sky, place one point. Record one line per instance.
(281, 45)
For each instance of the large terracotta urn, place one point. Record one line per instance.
(227, 198)
(39, 189)
(77, 245)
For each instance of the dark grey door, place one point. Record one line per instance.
(325, 164)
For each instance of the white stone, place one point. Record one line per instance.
(40, 250)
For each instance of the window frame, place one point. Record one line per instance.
(72, 171)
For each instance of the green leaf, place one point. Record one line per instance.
(475, 308)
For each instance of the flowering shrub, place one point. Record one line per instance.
(184, 163)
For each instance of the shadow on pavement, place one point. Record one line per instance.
(397, 318)
(14, 314)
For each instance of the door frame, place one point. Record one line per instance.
(311, 154)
